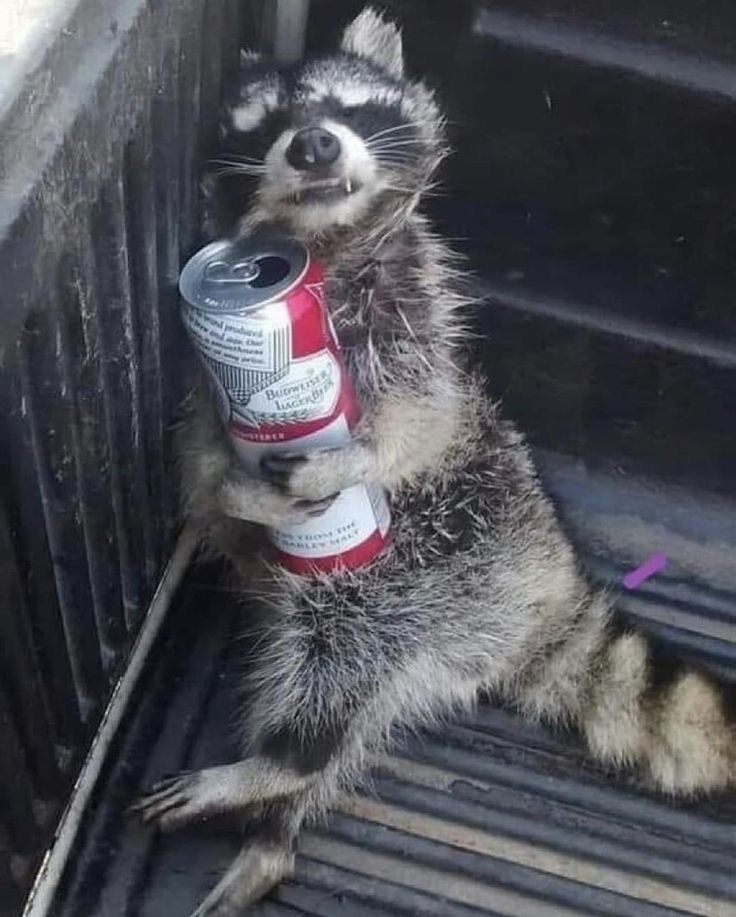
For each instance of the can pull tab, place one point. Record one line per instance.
(225, 272)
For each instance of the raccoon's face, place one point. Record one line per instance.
(333, 139)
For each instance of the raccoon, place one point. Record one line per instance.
(479, 589)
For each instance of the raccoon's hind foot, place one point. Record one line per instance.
(178, 800)
(199, 795)
(254, 872)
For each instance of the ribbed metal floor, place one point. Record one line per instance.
(486, 817)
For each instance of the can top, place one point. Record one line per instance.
(238, 275)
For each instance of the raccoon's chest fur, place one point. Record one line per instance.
(367, 315)
(480, 495)
(382, 313)
(383, 316)
(475, 489)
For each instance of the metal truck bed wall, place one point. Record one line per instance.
(102, 125)
(592, 190)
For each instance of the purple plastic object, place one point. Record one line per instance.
(652, 565)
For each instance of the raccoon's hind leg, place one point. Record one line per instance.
(276, 800)
(266, 858)
(303, 780)
(252, 874)
(291, 774)
(199, 795)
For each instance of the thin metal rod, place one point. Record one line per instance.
(41, 899)
(290, 32)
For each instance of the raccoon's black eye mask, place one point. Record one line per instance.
(328, 141)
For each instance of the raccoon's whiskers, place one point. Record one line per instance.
(392, 144)
(395, 156)
(224, 171)
(398, 127)
(239, 157)
(232, 166)
(402, 162)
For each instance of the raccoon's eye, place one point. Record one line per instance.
(349, 111)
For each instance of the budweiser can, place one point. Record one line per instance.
(254, 308)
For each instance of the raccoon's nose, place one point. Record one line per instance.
(312, 148)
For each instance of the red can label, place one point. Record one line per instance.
(283, 386)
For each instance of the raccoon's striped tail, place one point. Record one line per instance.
(634, 704)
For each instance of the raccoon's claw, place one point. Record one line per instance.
(280, 468)
(169, 803)
(256, 500)
(314, 508)
(315, 476)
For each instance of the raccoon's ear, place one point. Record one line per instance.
(371, 36)
(248, 57)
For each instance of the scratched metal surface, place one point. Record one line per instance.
(486, 816)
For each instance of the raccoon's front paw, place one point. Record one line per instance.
(261, 502)
(318, 474)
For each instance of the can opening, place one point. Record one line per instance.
(237, 275)
(272, 270)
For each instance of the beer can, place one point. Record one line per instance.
(254, 309)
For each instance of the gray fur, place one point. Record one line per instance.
(479, 588)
